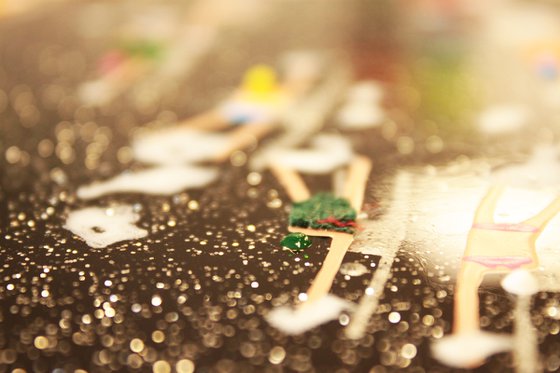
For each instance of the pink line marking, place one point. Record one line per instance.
(510, 262)
(506, 227)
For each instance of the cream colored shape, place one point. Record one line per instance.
(178, 145)
(100, 227)
(155, 181)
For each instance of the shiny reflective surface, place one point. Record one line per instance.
(466, 103)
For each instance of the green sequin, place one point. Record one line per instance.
(324, 211)
(142, 48)
(296, 241)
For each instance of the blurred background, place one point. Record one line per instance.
(445, 87)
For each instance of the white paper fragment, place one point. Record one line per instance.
(362, 108)
(307, 316)
(157, 181)
(101, 227)
(358, 115)
(365, 91)
(466, 350)
(178, 146)
(327, 153)
(520, 282)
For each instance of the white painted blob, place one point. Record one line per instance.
(469, 349)
(525, 340)
(365, 91)
(294, 321)
(157, 181)
(502, 119)
(520, 282)
(327, 153)
(360, 115)
(353, 269)
(362, 108)
(298, 65)
(178, 146)
(100, 227)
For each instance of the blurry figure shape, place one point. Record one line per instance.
(362, 108)
(543, 56)
(118, 69)
(142, 43)
(382, 238)
(494, 248)
(294, 321)
(503, 119)
(156, 181)
(306, 116)
(469, 349)
(259, 99)
(179, 43)
(254, 110)
(178, 146)
(205, 21)
(100, 227)
(326, 154)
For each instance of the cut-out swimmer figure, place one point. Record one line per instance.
(254, 109)
(491, 248)
(494, 248)
(543, 57)
(354, 188)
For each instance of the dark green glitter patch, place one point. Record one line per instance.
(324, 211)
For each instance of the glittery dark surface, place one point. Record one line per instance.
(193, 293)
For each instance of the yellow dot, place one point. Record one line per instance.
(158, 336)
(136, 345)
(260, 81)
(185, 366)
(161, 366)
(41, 342)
